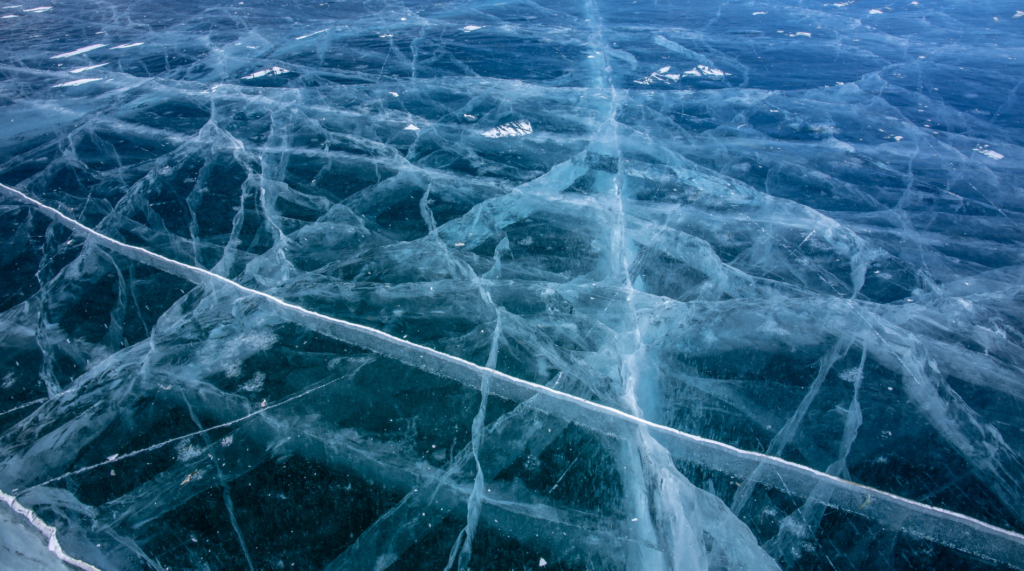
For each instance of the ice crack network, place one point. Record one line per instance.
(461, 285)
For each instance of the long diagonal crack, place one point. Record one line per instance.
(936, 524)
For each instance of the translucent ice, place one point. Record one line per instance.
(461, 285)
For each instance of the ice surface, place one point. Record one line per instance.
(464, 285)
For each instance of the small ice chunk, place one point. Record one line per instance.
(759, 13)
(471, 28)
(126, 46)
(272, 71)
(514, 129)
(9, 16)
(87, 68)
(804, 34)
(40, 9)
(874, 11)
(79, 51)
(411, 127)
(393, 94)
(542, 562)
(78, 82)
(899, 138)
(1019, 14)
(990, 154)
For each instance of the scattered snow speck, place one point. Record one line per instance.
(804, 34)
(759, 13)
(411, 127)
(126, 46)
(471, 28)
(874, 11)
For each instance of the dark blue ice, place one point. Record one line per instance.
(455, 285)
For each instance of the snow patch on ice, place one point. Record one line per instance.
(706, 71)
(313, 34)
(272, 71)
(79, 51)
(87, 68)
(78, 82)
(514, 129)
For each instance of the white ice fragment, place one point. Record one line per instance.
(14, 6)
(272, 71)
(1019, 14)
(841, 4)
(78, 82)
(665, 69)
(542, 562)
(899, 138)
(990, 153)
(874, 11)
(411, 127)
(87, 68)
(471, 28)
(393, 94)
(313, 34)
(804, 34)
(112, 458)
(40, 9)
(227, 440)
(79, 51)
(514, 129)
(126, 46)
(759, 13)
(470, 117)
(9, 16)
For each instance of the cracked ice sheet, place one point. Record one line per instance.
(809, 247)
